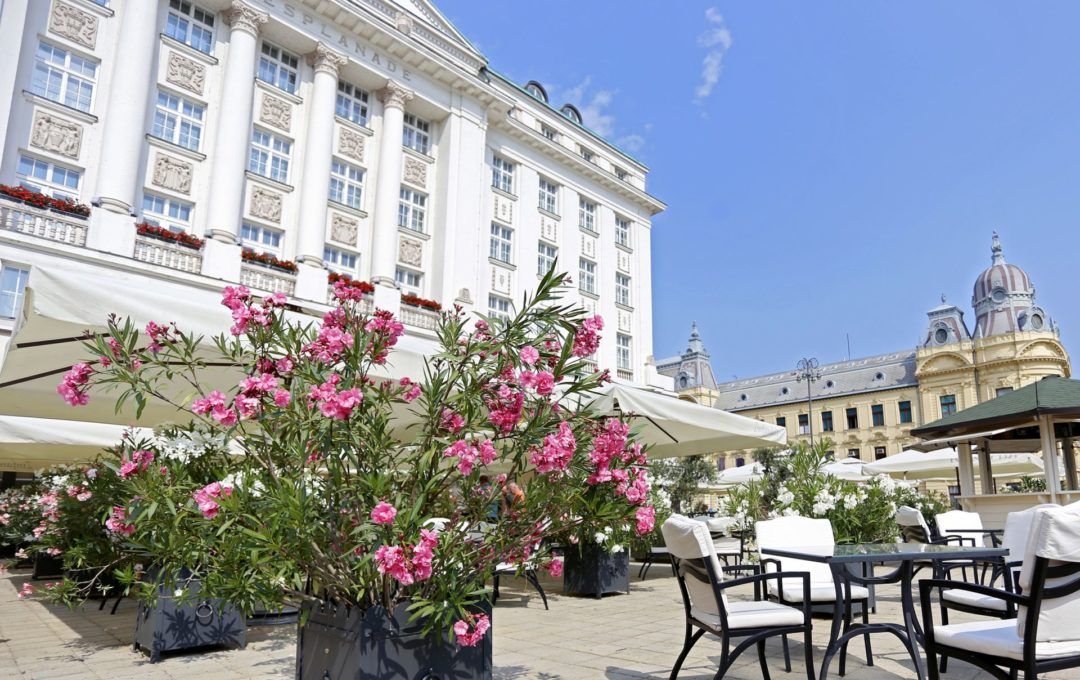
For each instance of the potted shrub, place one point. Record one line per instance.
(371, 499)
(19, 515)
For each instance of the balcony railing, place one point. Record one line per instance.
(419, 317)
(25, 219)
(167, 254)
(625, 374)
(261, 278)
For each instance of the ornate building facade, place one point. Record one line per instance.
(208, 139)
(868, 406)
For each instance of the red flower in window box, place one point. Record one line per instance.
(362, 286)
(179, 238)
(417, 301)
(40, 200)
(268, 260)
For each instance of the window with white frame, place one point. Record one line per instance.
(178, 120)
(587, 276)
(64, 77)
(260, 238)
(620, 173)
(549, 196)
(346, 184)
(499, 307)
(352, 103)
(623, 354)
(416, 134)
(587, 154)
(191, 25)
(12, 288)
(622, 289)
(501, 242)
(545, 258)
(162, 211)
(622, 231)
(412, 210)
(270, 155)
(502, 174)
(412, 281)
(341, 261)
(278, 67)
(549, 132)
(586, 215)
(48, 178)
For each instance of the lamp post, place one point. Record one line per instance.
(807, 369)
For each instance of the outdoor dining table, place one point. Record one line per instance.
(846, 560)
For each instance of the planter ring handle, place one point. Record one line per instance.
(204, 613)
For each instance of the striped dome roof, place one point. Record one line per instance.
(1001, 275)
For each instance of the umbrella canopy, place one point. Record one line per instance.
(942, 463)
(851, 469)
(675, 428)
(33, 443)
(60, 306)
(735, 476)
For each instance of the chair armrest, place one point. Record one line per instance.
(955, 538)
(926, 588)
(779, 576)
(738, 568)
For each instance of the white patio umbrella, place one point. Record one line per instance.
(34, 443)
(735, 476)
(942, 463)
(675, 428)
(850, 469)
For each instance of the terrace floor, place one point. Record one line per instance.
(621, 636)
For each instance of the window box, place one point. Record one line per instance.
(417, 301)
(179, 238)
(39, 200)
(363, 286)
(268, 261)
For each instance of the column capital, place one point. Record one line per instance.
(326, 60)
(244, 17)
(395, 95)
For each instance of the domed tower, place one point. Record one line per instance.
(1004, 298)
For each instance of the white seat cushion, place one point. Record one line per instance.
(752, 614)
(819, 592)
(727, 546)
(999, 638)
(970, 599)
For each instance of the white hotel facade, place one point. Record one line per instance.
(364, 137)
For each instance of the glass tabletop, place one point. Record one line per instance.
(885, 552)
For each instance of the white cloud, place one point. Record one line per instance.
(631, 143)
(595, 107)
(717, 38)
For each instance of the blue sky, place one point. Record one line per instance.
(831, 168)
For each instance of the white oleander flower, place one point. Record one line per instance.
(600, 537)
(616, 549)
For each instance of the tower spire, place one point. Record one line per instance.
(997, 256)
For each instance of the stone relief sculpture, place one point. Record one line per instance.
(411, 252)
(276, 112)
(464, 296)
(186, 73)
(74, 24)
(56, 134)
(416, 172)
(344, 229)
(172, 174)
(265, 204)
(351, 144)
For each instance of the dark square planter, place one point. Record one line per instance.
(47, 566)
(591, 570)
(346, 643)
(171, 625)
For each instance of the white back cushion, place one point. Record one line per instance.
(1018, 529)
(797, 532)
(689, 539)
(910, 517)
(956, 520)
(1055, 535)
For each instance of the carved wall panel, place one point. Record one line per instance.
(504, 208)
(626, 321)
(589, 305)
(265, 204)
(549, 229)
(624, 261)
(276, 112)
(172, 173)
(74, 24)
(185, 73)
(351, 144)
(344, 229)
(56, 134)
(415, 172)
(501, 281)
(588, 246)
(411, 252)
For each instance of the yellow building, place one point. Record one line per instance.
(868, 406)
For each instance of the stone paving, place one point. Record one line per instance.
(619, 637)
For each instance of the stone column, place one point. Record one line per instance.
(384, 224)
(124, 130)
(222, 256)
(315, 180)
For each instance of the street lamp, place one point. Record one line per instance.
(807, 369)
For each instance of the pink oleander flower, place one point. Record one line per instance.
(452, 421)
(284, 365)
(158, 334)
(206, 498)
(646, 519)
(53, 552)
(383, 513)
(555, 568)
(282, 397)
(26, 591)
(73, 387)
(20, 554)
(505, 407)
(557, 452)
(479, 625)
(465, 453)
(275, 300)
(128, 468)
(205, 405)
(528, 355)
(413, 392)
(117, 522)
(391, 561)
(541, 382)
(587, 337)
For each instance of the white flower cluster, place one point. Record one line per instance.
(187, 445)
(824, 501)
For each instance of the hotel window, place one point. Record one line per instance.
(498, 307)
(622, 231)
(739, 462)
(905, 412)
(1002, 390)
(586, 215)
(587, 154)
(411, 210)
(346, 184)
(545, 258)
(781, 421)
(352, 103)
(620, 173)
(190, 25)
(278, 67)
(549, 132)
(830, 455)
(879, 452)
(341, 261)
(852, 418)
(270, 156)
(587, 276)
(416, 134)
(549, 196)
(622, 289)
(622, 352)
(178, 120)
(804, 423)
(877, 415)
(12, 288)
(411, 281)
(502, 174)
(64, 77)
(48, 178)
(165, 212)
(260, 238)
(826, 421)
(948, 404)
(502, 239)
(853, 453)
